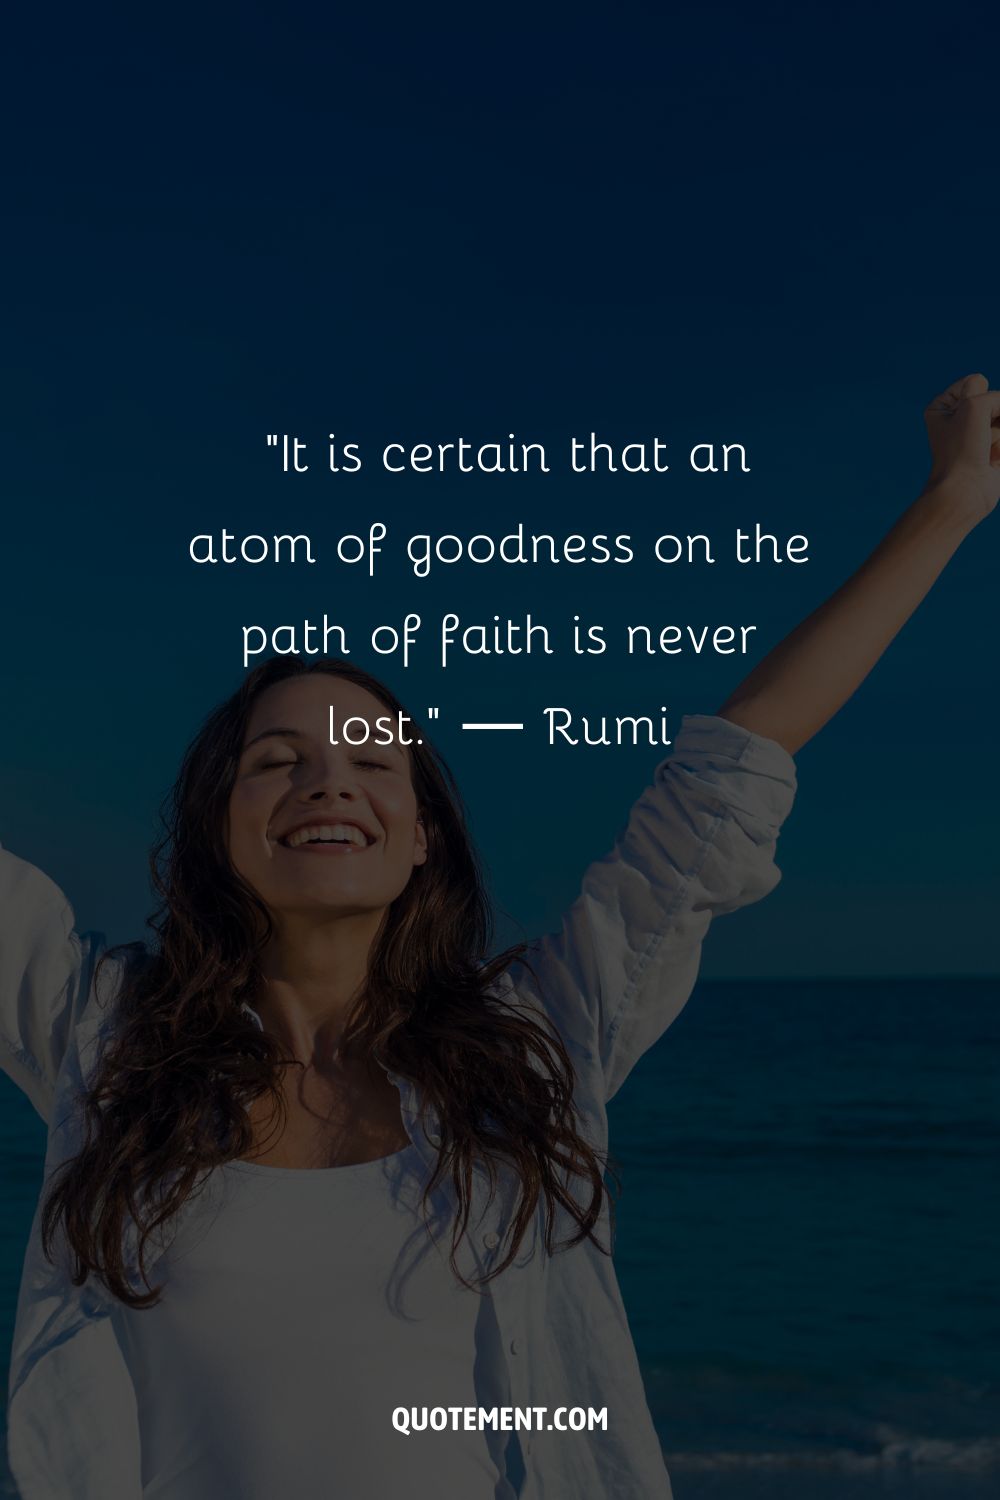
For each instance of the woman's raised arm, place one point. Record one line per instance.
(802, 683)
(702, 838)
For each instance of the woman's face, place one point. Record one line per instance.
(319, 828)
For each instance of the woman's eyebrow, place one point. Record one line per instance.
(285, 734)
(279, 734)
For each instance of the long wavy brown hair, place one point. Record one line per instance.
(169, 1099)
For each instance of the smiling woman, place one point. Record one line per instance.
(324, 995)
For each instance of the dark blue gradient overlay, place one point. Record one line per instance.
(773, 225)
(769, 226)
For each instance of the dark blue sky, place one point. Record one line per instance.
(774, 226)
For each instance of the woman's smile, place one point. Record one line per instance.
(328, 838)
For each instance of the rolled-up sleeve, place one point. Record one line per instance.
(45, 971)
(700, 841)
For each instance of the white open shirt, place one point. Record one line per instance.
(699, 841)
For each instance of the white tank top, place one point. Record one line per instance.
(300, 1308)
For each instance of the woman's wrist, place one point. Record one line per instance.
(956, 503)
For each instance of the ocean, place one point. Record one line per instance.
(808, 1236)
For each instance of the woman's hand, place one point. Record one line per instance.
(963, 425)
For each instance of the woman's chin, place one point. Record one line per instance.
(329, 901)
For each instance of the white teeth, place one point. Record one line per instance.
(327, 833)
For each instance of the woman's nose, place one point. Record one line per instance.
(321, 793)
(328, 781)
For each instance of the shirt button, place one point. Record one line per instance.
(515, 1346)
(491, 1240)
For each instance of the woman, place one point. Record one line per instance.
(317, 1159)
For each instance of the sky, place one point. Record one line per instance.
(771, 226)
